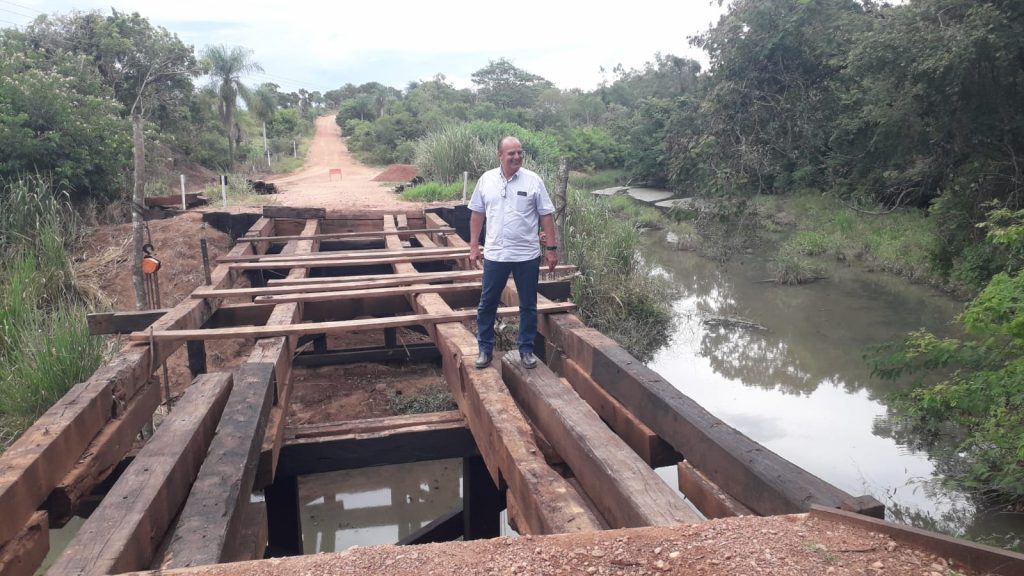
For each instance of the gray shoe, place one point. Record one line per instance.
(528, 359)
(483, 360)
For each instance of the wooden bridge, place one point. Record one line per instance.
(567, 447)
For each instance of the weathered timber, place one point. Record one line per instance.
(648, 445)
(103, 454)
(402, 221)
(444, 528)
(706, 496)
(343, 214)
(391, 291)
(345, 255)
(336, 327)
(425, 352)
(626, 491)
(102, 323)
(211, 523)
(252, 541)
(549, 504)
(394, 445)
(344, 262)
(45, 453)
(412, 277)
(124, 532)
(372, 425)
(280, 351)
(978, 558)
(342, 235)
(23, 555)
(763, 481)
(294, 213)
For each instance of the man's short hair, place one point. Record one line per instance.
(502, 141)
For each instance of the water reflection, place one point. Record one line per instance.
(802, 387)
(379, 505)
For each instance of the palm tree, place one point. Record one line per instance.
(227, 66)
(263, 105)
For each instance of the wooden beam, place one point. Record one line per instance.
(252, 541)
(296, 213)
(711, 500)
(345, 255)
(407, 277)
(343, 262)
(409, 353)
(280, 351)
(124, 532)
(393, 445)
(341, 235)
(336, 327)
(626, 491)
(977, 558)
(104, 453)
(103, 323)
(23, 555)
(388, 424)
(648, 445)
(210, 525)
(762, 480)
(464, 287)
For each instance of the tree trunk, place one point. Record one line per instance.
(138, 205)
(231, 137)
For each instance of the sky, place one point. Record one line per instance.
(324, 45)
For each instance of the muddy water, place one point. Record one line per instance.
(801, 386)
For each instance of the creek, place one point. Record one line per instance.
(802, 387)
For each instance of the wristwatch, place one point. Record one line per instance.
(551, 248)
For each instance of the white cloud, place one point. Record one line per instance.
(323, 46)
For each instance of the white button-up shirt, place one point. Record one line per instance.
(512, 209)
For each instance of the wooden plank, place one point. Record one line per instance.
(977, 558)
(465, 287)
(335, 327)
(372, 425)
(344, 254)
(124, 532)
(23, 555)
(252, 542)
(343, 262)
(648, 445)
(762, 480)
(342, 235)
(103, 454)
(408, 277)
(102, 323)
(280, 351)
(402, 221)
(407, 353)
(711, 500)
(625, 490)
(399, 445)
(296, 213)
(211, 523)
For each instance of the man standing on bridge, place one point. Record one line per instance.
(512, 200)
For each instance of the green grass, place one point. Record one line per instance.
(637, 212)
(434, 192)
(45, 347)
(598, 179)
(900, 242)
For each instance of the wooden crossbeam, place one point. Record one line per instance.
(345, 255)
(124, 532)
(343, 235)
(408, 277)
(626, 491)
(380, 292)
(331, 327)
(342, 262)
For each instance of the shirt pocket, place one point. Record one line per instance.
(524, 201)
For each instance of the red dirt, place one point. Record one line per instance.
(397, 173)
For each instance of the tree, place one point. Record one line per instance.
(263, 105)
(508, 87)
(227, 66)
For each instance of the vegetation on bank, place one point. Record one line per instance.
(45, 346)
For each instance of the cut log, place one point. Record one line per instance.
(626, 491)
(124, 532)
(23, 555)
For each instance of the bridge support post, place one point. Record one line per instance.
(482, 501)
(284, 535)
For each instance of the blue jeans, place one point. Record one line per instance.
(496, 274)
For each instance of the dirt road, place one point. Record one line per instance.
(314, 185)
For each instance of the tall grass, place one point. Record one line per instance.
(434, 192)
(45, 347)
(598, 179)
(444, 154)
(616, 290)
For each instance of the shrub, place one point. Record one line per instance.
(443, 155)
